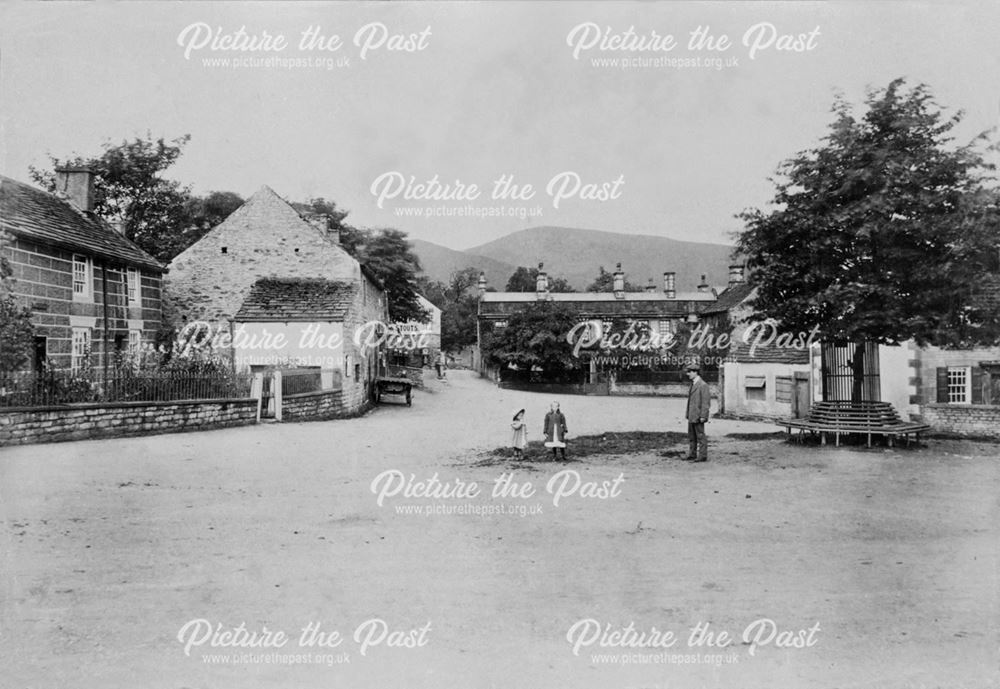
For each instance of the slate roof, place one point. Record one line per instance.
(598, 296)
(296, 300)
(768, 354)
(41, 217)
(652, 305)
(732, 296)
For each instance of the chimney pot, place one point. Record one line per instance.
(481, 285)
(668, 285)
(77, 184)
(541, 281)
(619, 281)
(703, 286)
(735, 274)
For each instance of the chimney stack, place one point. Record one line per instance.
(542, 281)
(324, 223)
(481, 285)
(651, 287)
(703, 287)
(668, 285)
(619, 282)
(735, 274)
(77, 185)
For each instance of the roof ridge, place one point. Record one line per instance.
(43, 216)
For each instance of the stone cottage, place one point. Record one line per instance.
(270, 287)
(91, 291)
(662, 309)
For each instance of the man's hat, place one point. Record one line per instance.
(692, 367)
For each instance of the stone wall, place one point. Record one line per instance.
(657, 389)
(43, 282)
(930, 358)
(316, 406)
(86, 421)
(965, 419)
(265, 237)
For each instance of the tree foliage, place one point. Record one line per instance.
(459, 304)
(525, 280)
(883, 232)
(162, 216)
(352, 239)
(534, 336)
(388, 254)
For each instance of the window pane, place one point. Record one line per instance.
(79, 275)
(958, 383)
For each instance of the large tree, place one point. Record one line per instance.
(525, 280)
(882, 233)
(160, 215)
(390, 256)
(535, 336)
(459, 303)
(131, 193)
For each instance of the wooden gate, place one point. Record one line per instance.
(850, 372)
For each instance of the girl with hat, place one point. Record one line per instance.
(519, 437)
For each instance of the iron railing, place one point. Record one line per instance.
(54, 388)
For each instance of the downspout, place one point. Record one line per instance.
(104, 305)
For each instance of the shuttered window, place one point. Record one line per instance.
(954, 385)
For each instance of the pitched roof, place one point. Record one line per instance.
(300, 300)
(652, 305)
(730, 297)
(768, 354)
(39, 216)
(598, 296)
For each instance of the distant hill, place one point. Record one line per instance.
(577, 254)
(439, 262)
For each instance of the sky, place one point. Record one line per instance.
(582, 101)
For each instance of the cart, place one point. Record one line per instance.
(389, 385)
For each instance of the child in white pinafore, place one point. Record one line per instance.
(519, 437)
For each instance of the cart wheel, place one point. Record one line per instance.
(408, 402)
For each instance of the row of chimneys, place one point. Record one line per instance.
(618, 281)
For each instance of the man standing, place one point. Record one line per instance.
(699, 398)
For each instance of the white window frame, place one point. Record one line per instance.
(133, 285)
(959, 384)
(86, 291)
(80, 349)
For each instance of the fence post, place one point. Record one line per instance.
(257, 390)
(276, 394)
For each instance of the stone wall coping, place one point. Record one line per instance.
(943, 405)
(307, 395)
(124, 405)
